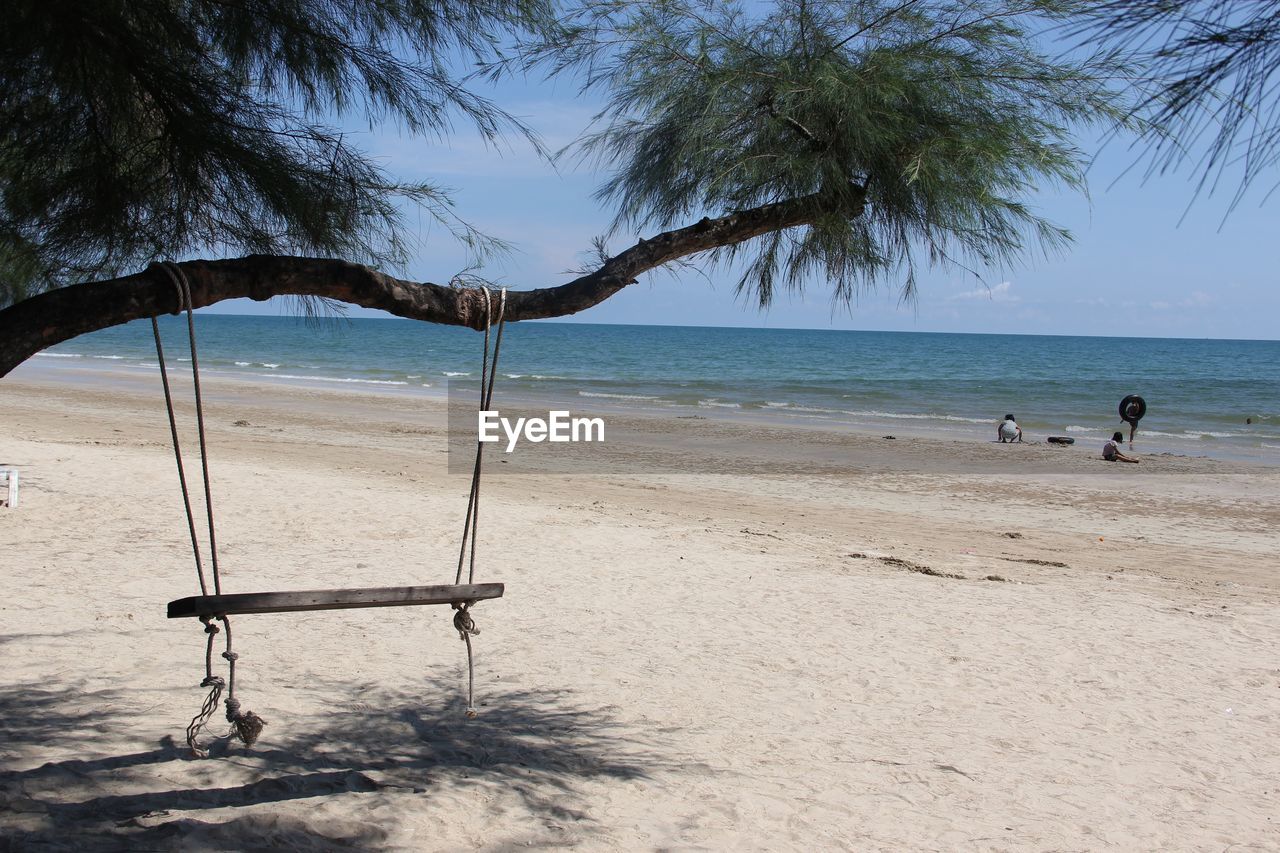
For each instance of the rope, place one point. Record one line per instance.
(173, 431)
(488, 374)
(247, 725)
(210, 705)
(466, 626)
(179, 279)
(485, 403)
(462, 621)
(475, 470)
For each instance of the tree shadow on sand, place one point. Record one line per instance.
(539, 746)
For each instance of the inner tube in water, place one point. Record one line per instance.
(1060, 439)
(1132, 408)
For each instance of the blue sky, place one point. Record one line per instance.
(1142, 264)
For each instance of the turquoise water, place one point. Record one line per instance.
(1199, 392)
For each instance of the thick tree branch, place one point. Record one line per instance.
(59, 315)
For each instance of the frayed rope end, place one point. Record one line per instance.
(248, 726)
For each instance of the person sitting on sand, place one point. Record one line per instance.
(1008, 430)
(1111, 450)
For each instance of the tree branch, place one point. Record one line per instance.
(59, 315)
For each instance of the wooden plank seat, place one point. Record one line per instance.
(330, 599)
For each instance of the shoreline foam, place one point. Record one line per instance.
(1198, 443)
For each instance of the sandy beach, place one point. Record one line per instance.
(715, 635)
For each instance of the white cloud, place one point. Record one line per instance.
(1197, 299)
(998, 293)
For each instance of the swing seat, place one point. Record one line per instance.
(330, 599)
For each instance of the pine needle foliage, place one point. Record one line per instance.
(132, 130)
(1209, 70)
(916, 129)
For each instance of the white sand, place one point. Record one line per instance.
(726, 648)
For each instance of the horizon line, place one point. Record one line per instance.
(565, 321)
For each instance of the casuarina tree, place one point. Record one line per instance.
(846, 142)
(1206, 74)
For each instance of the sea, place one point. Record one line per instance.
(1218, 398)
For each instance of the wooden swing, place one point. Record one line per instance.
(217, 607)
(296, 601)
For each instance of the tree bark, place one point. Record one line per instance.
(59, 315)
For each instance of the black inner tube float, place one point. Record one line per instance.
(1132, 408)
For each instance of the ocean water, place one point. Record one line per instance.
(1199, 393)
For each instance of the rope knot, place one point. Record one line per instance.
(209, 627)
(213, 681)
(463, 622)
(247, 726)
(231, 656)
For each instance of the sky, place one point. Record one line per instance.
(1146, 261)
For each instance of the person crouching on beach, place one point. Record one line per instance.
(1008, 430)
(1111, 450)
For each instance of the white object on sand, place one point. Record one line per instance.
(11, 476)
